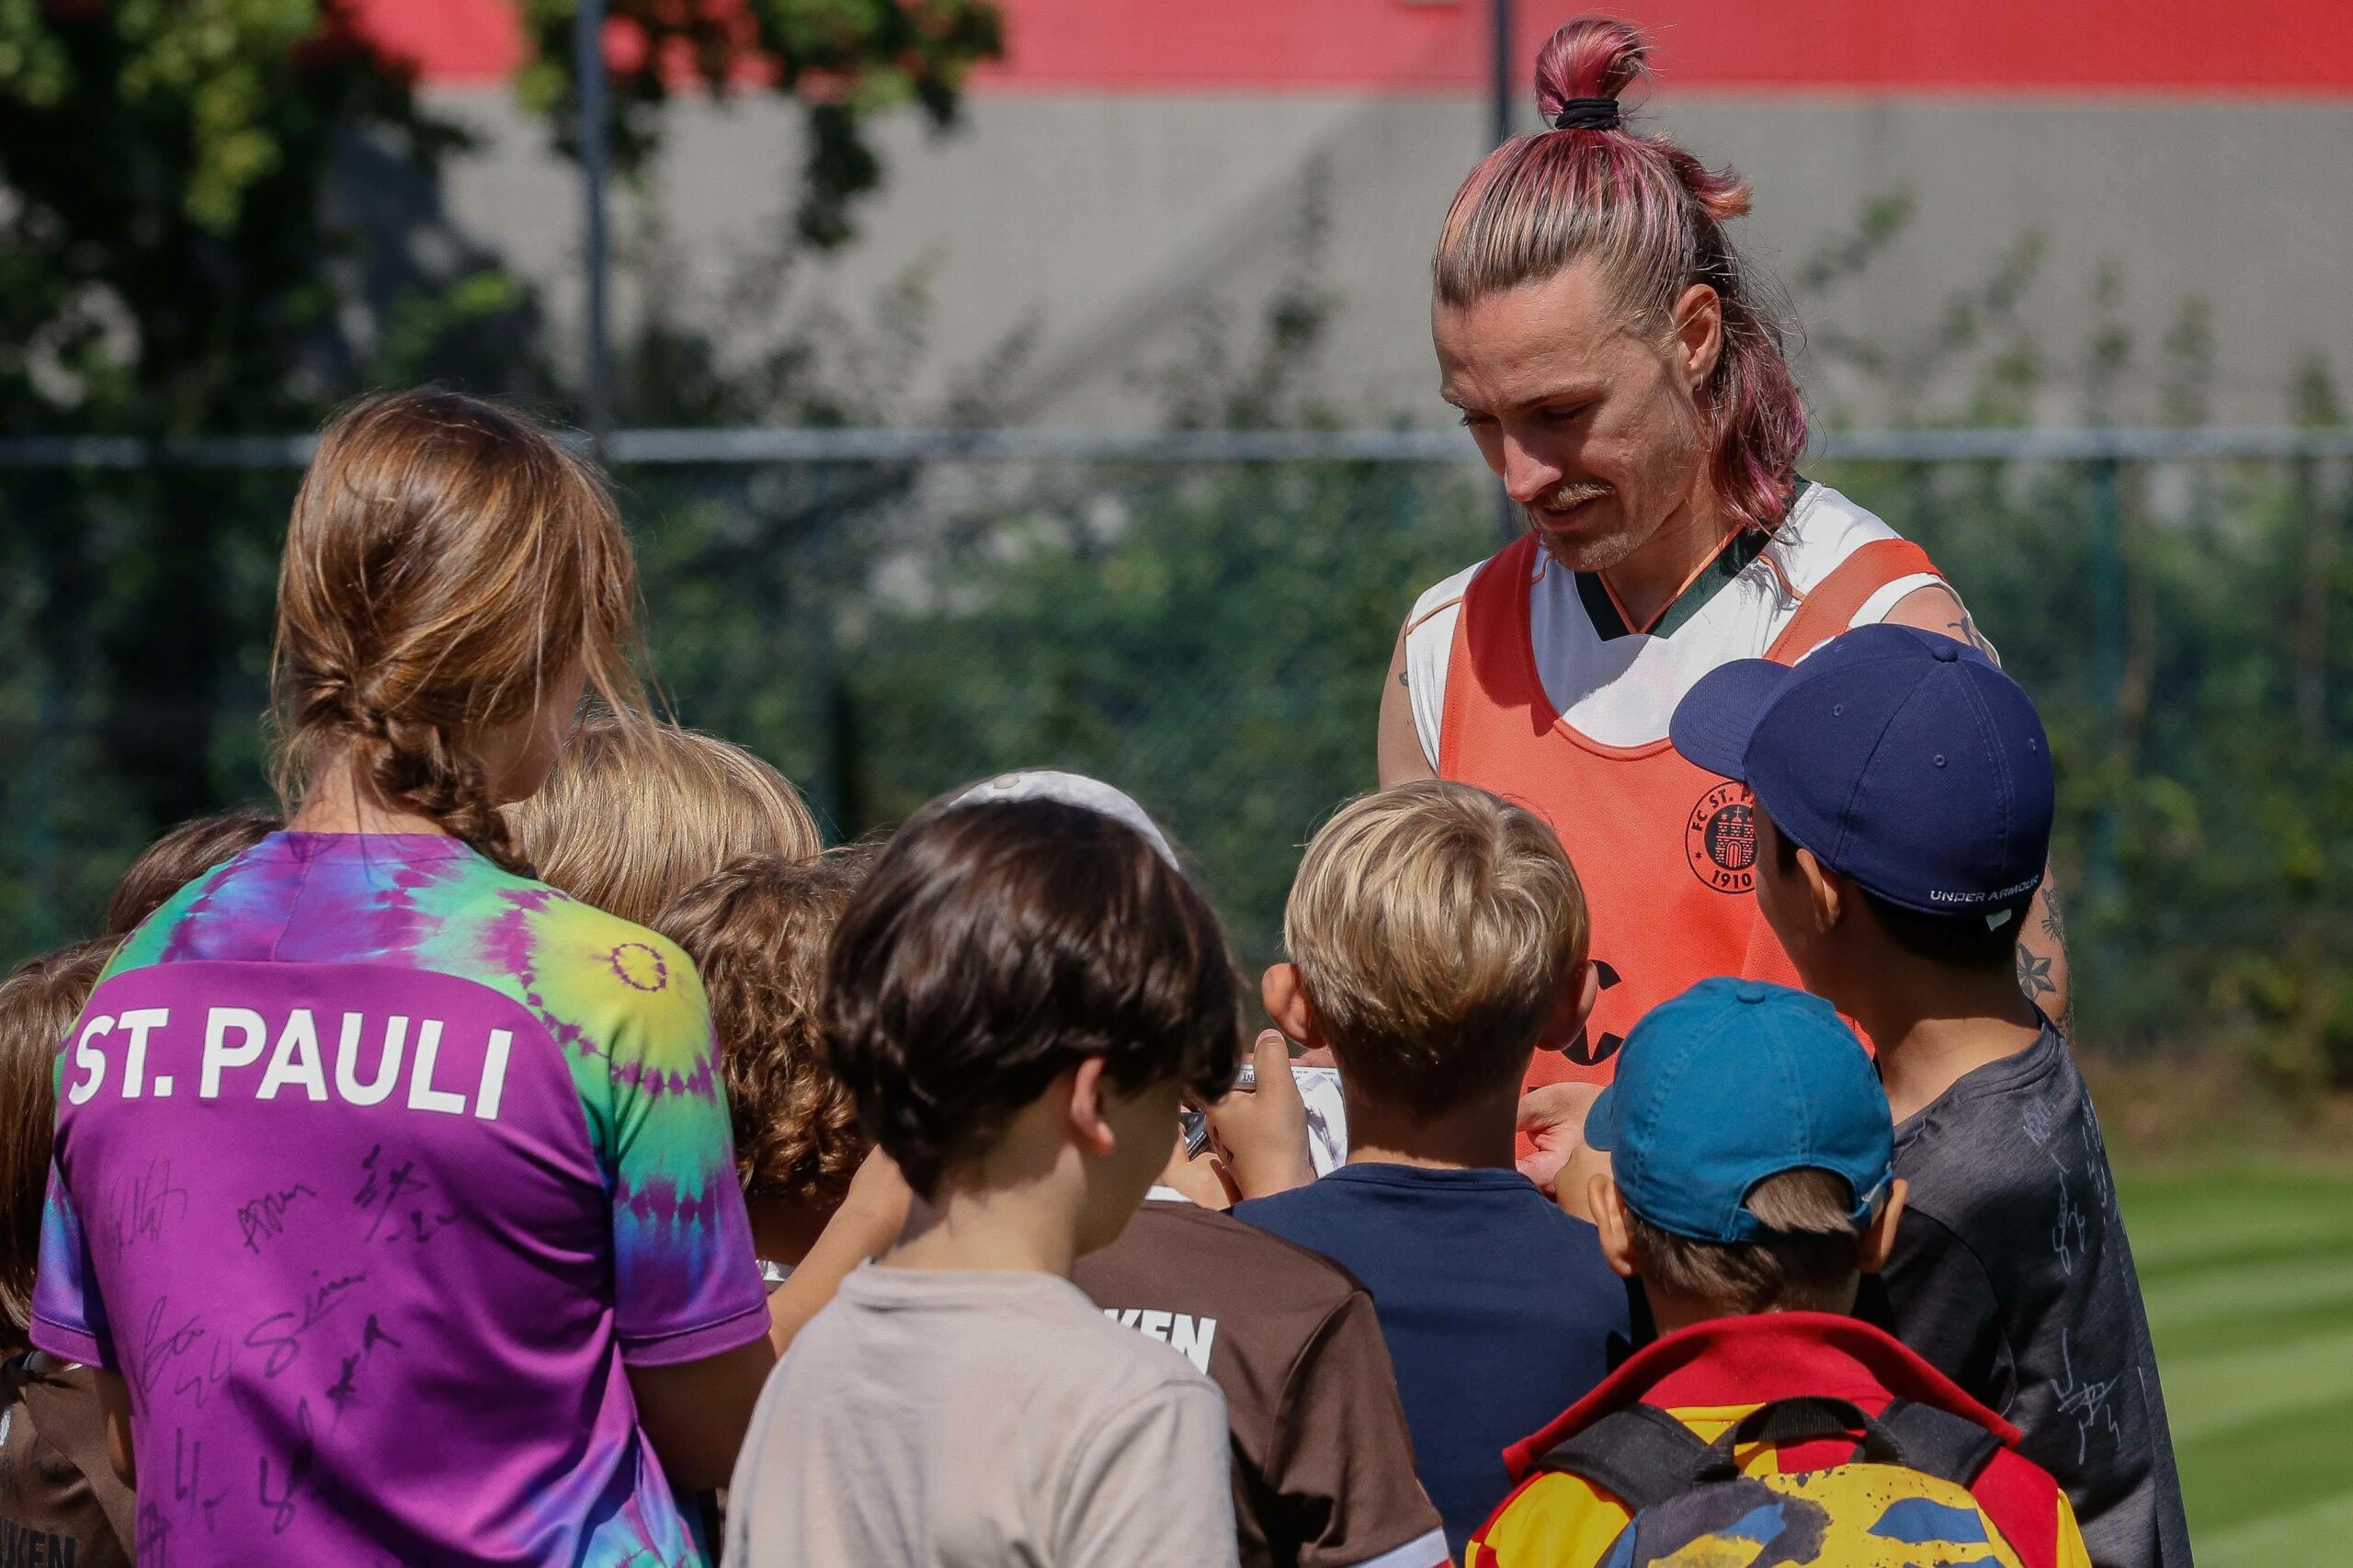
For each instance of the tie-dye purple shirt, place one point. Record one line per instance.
(376, 1167)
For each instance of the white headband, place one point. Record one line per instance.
(1072, 789)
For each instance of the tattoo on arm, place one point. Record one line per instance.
(1403, 681)
(2054, 926)
(1965, 631)
(2034, 975)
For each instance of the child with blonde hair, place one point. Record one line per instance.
(702, 840)
(1437, 937)
(637, 812)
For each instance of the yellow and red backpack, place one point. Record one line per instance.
(1903, 1501)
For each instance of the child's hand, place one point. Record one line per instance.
(877, 1203)
(1261, 1135)
(873, 1213)
(1201, 1180)
(1553, 1119)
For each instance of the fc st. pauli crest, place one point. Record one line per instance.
(1720, 838)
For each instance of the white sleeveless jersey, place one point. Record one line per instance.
(1621, 690)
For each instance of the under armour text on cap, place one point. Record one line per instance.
(1730, 1083)
(1903, 759)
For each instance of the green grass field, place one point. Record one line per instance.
(2249, 1280)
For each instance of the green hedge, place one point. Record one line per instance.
(1214, 639)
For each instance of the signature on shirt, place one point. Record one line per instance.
(187, 1480)
(2071, 1232)
(145, 1205)
(281, 1332)
(282, 1507)
(162, 1341)
(2091, 1406)
(345, 1389)
(265, 1217)
(382, 1187)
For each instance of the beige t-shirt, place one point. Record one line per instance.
(981, 1419)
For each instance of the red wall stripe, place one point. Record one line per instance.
(1961, 46)
(451, 41)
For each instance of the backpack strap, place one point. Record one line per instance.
(1643, 1457)
(1806, 1419)
(1937, 1442)
(1639, 1455)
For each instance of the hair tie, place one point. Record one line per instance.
(1587, 114)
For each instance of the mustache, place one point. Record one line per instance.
(1568, 493)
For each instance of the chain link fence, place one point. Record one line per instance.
(1205, 618)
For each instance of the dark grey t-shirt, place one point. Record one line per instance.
(2012, 1275)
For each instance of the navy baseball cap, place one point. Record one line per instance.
(1730, 1082)
(1904, 759)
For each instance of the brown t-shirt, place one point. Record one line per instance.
(1323, 1466)
(60, 1500)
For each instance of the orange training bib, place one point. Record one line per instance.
(1665, 850)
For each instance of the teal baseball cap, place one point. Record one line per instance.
(1728, 1083)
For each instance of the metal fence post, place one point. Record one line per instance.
(837, 788)
(596, 358)
(2318, 521)
(2105, 874)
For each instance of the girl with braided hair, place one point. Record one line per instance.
(394, 1194)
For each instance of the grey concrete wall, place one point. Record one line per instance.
(1102, 224)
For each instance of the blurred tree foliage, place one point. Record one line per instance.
(1214, 641)
(845, 60)
(1212, 638)
(169, 265)
(193, 201)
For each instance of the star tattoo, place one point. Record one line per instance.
(2034, 974)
